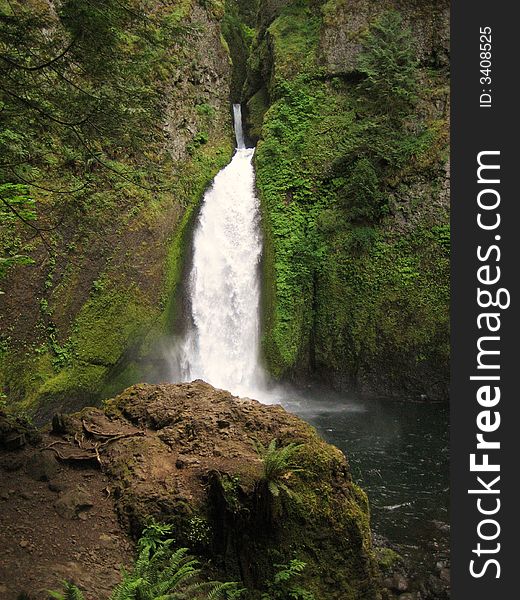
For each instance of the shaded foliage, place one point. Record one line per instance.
(390, 66)
(77, 104)
(161, 572)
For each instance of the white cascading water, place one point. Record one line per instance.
(222, 344)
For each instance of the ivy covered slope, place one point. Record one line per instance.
(114, 117)
(350, 101)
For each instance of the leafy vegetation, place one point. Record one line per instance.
(278, 464)
(88, 172)
(390, 66)
(161, 572)
(346, 168)
(283, 587)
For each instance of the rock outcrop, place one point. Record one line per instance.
(73, 324)
(185, 454)
(356, 283)
(346, 21)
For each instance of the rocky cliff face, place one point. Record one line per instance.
(104, 277)
(185, 455)
(355, 277)
(354, 181)
(346, 21)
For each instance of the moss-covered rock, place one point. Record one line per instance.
(353, 173)
(187, 454)
(81, 321)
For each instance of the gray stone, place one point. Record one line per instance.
(399, 583)
(445, 575)
(41, 466)
(73, 502)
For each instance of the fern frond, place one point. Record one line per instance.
(273, 488)
(222, 590)
(71, 592)
(127, 588)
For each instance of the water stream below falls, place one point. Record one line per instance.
(399, 453)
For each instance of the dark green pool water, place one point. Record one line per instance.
(399, 454)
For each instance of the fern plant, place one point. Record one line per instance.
(154, 536)
(278, 465)
(166, 574)
(161, 573)
(282, 586)
(70, 592)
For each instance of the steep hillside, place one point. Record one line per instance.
(117, 114)
(350, 102)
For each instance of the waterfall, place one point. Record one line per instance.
(222, 343)
(237, 122)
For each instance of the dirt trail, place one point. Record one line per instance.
(57, 523)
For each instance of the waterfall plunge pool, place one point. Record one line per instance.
(399, 454)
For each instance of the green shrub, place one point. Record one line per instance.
(361, 240)
(390, 66)
(362, 196)
(282, 586)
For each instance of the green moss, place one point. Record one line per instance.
(237, 38)
(286, 193)
(345, 558)
(257, 106)
(24, 372)
(108, 323)
(131, 373)
(387, 558)
(117, 328)
(295, 35)
(356, 265)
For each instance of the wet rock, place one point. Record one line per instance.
(444, 575)
(398, 583)
(433, 587)
(387, 558)
(41, 466)
(441, 526)
(341, 38)
(171, 471)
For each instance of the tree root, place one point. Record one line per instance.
(89, 450)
